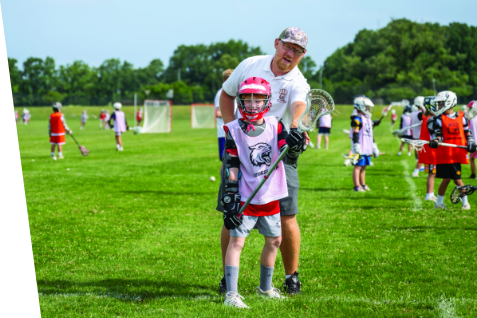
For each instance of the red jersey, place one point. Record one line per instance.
(453, 133)
(428, 154)
(56, 124)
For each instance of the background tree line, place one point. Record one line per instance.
(402, 60)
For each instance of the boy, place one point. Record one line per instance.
(252, 145)
(324, 128)
(139, 116)
(416, 118)
(26, 116)
(406, 122)
(450, 127)
(120, 125)
(57, 128)
(472, 116)
(106, 120)
(84, 117)
(393, 116)
(427, 156)
(102, 117)
(16, 116)
(362, 141)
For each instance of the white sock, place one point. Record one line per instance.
(440, 199)
(409, 154)
(117, 145)
(416, 170)
(60, 154)
(53, 154)
(399, 153)
(287, 276)
(465, 200)
(429, 195)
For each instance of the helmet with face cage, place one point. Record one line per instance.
(254, 86)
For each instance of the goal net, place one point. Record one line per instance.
(157, 116)
(202, 115)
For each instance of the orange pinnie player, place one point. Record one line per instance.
(57, 129)
(453, 128)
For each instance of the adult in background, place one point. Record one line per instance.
(324, 129)
(218, 116)
(289, 90)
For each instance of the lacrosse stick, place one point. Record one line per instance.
(318, 103)
(419, 144)
(83, 150)
(457, 195)
(385, 111)
(401, 131)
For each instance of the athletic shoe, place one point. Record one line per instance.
(358, 189)
(53, 157)
(409, 154)
(61, 157)
(366, 188)
(399, 153)
(441, 206)
(223, 286)
(422, 169)
(466, 206)
(415, 174)
(292, 285)
(472, 176)
(433, 198)
(121, 149)
(234, 300)
(318, 147)
(272, 293)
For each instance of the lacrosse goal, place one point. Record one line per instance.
(202, 116)
(157, 116)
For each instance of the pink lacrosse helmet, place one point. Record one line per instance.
(472, 104)
(251, 86)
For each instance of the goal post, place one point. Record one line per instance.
(202, 116)
(157, 116)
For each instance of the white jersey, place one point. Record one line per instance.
(325, 121)
(416, 131)
(220, 121)
(286, 89)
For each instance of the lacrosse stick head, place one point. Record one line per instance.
(455, 195)
(318, 103)
(415, 144)
(385, 110)
(84, 151)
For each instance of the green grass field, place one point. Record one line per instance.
(136, 234)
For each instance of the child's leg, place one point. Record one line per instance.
(460, 183)
(53, 149)
(362, 176)
(430, 181)
(318, 141)
(267, 263)
(400, 147)
(443, 187)
(232, 262)
(356, 175)
(472, 166)
(327, 141)
(60, 149)
(409, 149)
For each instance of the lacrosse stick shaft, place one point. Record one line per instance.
(413, 143)
(74, 139)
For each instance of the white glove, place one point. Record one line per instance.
(69, 131)
(357, 148)
(375, 150)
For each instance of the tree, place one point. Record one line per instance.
(15, 75)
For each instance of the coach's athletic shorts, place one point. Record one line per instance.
(324, 131)
(288, 205)
(449, 171)
(364, 161)
(266, 225)
(221, 147)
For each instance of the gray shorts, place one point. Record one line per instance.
(266, 225)
(288, 205)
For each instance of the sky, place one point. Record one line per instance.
(141, 30)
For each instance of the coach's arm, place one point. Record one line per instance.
(297, 109)
(227, 107)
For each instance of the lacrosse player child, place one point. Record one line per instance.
(416, 120)
(363, 141)
(57, 128)
(324, 129)
(472, 117)
(120, 125)
(84, 118)
(102, 117)
(393, 116)
(453, 128)
(252, 144)
(406, 122)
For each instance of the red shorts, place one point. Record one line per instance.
(57, 140)
(473, 155)
(270, 208)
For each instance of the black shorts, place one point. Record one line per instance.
(324, 131)
(407, 137)
(449, 171)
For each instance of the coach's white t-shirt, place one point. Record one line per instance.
(286, 89)
(220, 121)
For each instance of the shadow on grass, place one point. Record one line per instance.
(124, 289)
(326, 189)
(424, 228)
(169, 192)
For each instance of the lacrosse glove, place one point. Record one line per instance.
(433, 143)
(231, 204)
(375, 150)
(295, 140)
(357, 148)
(69, 131)
(471, 147)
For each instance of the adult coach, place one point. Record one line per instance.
(289, 89)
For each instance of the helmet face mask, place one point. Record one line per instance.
(363, 104)
(444, 101)
(253, 98)
(430, 105)
(117, 106)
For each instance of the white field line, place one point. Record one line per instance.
(412, 184)
(446, 309)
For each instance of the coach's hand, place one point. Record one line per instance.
(472, 147)
(433, 143)
(231, 204)
(295, 140)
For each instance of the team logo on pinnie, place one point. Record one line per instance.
(281, 98)
(260, 154)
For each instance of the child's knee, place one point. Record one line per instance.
(275, 242)
(236, 245)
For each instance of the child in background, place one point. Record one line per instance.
(324, 129)
(472, 117)
(120, 125)
(139, 116)
(16, 116)
(393, 117)
(102, 117)
(57, 128)
(106, 119)
(406, 122)
(84, 117)
(26, 116)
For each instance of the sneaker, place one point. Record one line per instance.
(53, 157)
(223, 286)
(432, 198)
(472, 176)
(292, 285)
(409, 154)
(415, 174)
(121, 149)
(399, 153)
(366, 188)
(272, 293)
(466, 206)
(358, 189)
(61, 157)
(441, 206)
(234, 300)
